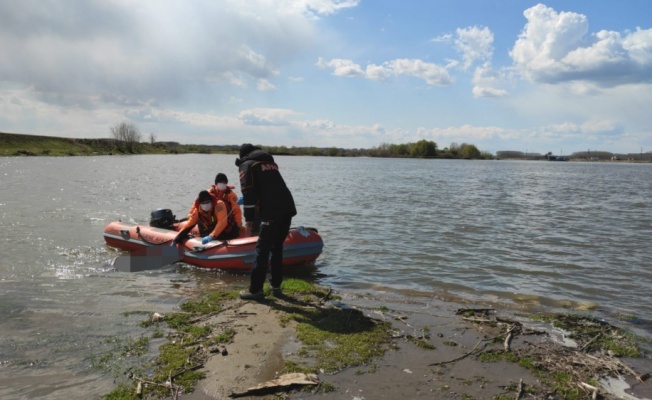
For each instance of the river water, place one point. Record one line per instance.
(531, 236)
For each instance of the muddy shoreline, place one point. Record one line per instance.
(449, 366)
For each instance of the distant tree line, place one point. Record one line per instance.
(128, 140)
(125, 138)
(420, 149)
(589, 155)
(507, 154)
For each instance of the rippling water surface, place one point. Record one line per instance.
(526, 235)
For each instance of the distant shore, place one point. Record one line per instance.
(12, 144)
(582, 160)
(22, 145)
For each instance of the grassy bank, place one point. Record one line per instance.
(31, 145)
(12, 144)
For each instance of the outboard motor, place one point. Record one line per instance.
(162, 218)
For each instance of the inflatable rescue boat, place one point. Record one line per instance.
(302, 245)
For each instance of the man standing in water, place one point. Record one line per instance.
(264, 189)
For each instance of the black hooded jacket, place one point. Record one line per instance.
(263, 186)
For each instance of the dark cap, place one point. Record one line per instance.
(247, 148)
(204, 196)
(221, 178)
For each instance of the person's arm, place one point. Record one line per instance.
(186, 227)
(192, 220)
(249, 193)
(235, 207)
(220, 215)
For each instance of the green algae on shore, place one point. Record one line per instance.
(334, 337)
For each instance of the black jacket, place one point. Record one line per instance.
(263, 186)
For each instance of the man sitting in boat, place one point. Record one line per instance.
(223, 191)
(211, 216)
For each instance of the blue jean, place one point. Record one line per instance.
(270, 241)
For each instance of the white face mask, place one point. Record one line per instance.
(221, 186)
(205, 206)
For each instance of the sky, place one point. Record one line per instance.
(555, 76)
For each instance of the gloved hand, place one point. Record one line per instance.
(206, 239)
(241, 200)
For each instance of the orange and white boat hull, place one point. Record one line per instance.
(302, 245)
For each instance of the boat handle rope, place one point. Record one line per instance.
(201, 250)
(141, 237)
(226, 242)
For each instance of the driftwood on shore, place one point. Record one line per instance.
(282, 382)
(586, 362)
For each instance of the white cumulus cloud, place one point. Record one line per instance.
(432, 74)
(341, 67)
(265, 85)
(486, 81)
(557, 47)
(475, 44)
(266, 116)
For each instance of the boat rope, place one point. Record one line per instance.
(141, 237)
(201, 250)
